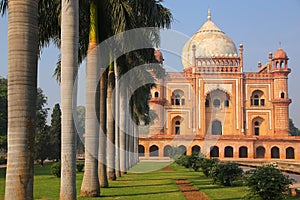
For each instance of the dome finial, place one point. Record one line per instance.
(208, 14)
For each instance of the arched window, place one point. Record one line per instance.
(290, 153)
(256, 128)
(275, 152)
(167, 150)
(177, 98)
(260, 152)
(141, 150)
(177, 127)
(214, 152)
(196, 149)
(156, 94)
(243, 152)
(153, 151)
(282, 95)
(256, 125)
(228, 152)
(257, 98)
(216, 128)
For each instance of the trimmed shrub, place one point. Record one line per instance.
(207, 164)
(226, 173)
(79, 166)
(267, 183)
(56, 169)
(183, 160)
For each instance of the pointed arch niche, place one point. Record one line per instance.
(177, 125)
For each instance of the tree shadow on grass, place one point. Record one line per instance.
(141, 185)
(142, 194)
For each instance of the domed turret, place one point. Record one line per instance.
(280, 53)
(209, 41)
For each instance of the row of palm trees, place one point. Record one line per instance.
(78, 27)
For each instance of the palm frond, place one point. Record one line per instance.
(3, 7)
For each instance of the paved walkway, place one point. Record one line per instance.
(189, 191)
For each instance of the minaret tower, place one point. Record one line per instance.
(281, 100)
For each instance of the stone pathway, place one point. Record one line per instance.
(189, 191)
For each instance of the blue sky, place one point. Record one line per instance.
(260, 25)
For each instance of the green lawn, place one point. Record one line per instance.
(155, 185)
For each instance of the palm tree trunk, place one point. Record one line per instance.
(136, 144)
(122, 130)
(90, 184)
(110, 124)
(69, 68)
(102, 138)
(117, 132)
(22, 82)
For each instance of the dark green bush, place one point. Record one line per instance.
(183, 160)
(3, 160)
(195, 161)
(56, 169)
(207, 164)
(267, 183)
(79, 166)
(226, 173)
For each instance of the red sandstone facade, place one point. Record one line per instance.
(216, 108)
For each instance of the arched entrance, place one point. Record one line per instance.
(290, 153)
(153, 151)
(228, 152)
(214, 152)
(260, 152)
(196, 149)
(141, 150)
(275, 152)
(216, 128)
(243, 152)
(182, 149)
(167, 150)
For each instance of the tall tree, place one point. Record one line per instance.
(22, 85)
(111, 122)
(55, 133)
(42, 143)
(294, 131)
(90, 183)
(3, 114)
(69, 69)
(102, 172)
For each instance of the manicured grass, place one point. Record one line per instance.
(152, 185)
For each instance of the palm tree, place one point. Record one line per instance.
(69, 63)
(22, 82)
(90, 184)
(102, 172)
(111, 122)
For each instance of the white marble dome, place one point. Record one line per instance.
(209, 41)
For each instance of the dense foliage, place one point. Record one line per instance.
(226, 173)
(207, 165)
(55, 133)
(294, 131)
(267, 183)
(3, 114)
(42, 144)
(56, 169)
